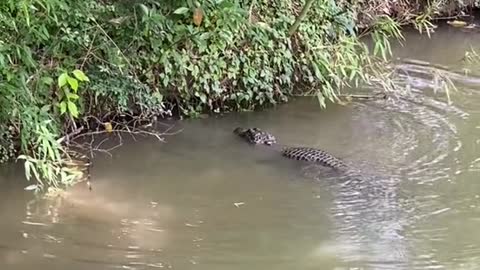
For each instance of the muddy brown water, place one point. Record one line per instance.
(206, 200)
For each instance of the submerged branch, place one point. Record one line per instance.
(365, 96)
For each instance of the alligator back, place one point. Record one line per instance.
(314, 155)
(258, 136)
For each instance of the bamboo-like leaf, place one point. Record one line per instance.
(181, 10)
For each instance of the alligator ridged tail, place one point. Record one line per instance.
(314, 155)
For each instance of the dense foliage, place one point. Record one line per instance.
(64, 64)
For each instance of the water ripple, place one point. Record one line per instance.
(416, 142)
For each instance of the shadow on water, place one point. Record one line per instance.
(206, 200)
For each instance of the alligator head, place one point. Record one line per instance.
(255, 135)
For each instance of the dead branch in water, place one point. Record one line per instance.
(121, 130)
(365, 96)
(85, 135)
(76, 139)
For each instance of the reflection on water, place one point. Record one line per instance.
(207, 200)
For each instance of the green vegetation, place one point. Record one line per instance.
(71, 66)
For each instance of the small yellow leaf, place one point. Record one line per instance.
(108, 127)
(198, 16)
(457, 23)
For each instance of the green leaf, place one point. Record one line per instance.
(158, 96)
(144, 9)
(72, 96)
(263, 25)
(166, 80)
(62, 79)
(352, 75)
(181, 10)
(73, 83)
(72, 108)
(45, 108)
(26, 13)
(317, 72)
(63, 107)
(204, 36)
(80, 75)
(47, 80)
(203, 98)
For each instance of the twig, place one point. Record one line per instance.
(300, 17)
(113, 42)
(133, 137)
(132, 132)
(107, 151)
(88, 52)
(366, 96)
(69, 135)
(101, 142)
(92, 139)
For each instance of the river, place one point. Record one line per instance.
(207, 200)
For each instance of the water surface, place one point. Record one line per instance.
(206, 200)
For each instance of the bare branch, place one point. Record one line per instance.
(70, 135)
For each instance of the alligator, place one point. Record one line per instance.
(308, 154)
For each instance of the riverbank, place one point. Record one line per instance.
(100, 67)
